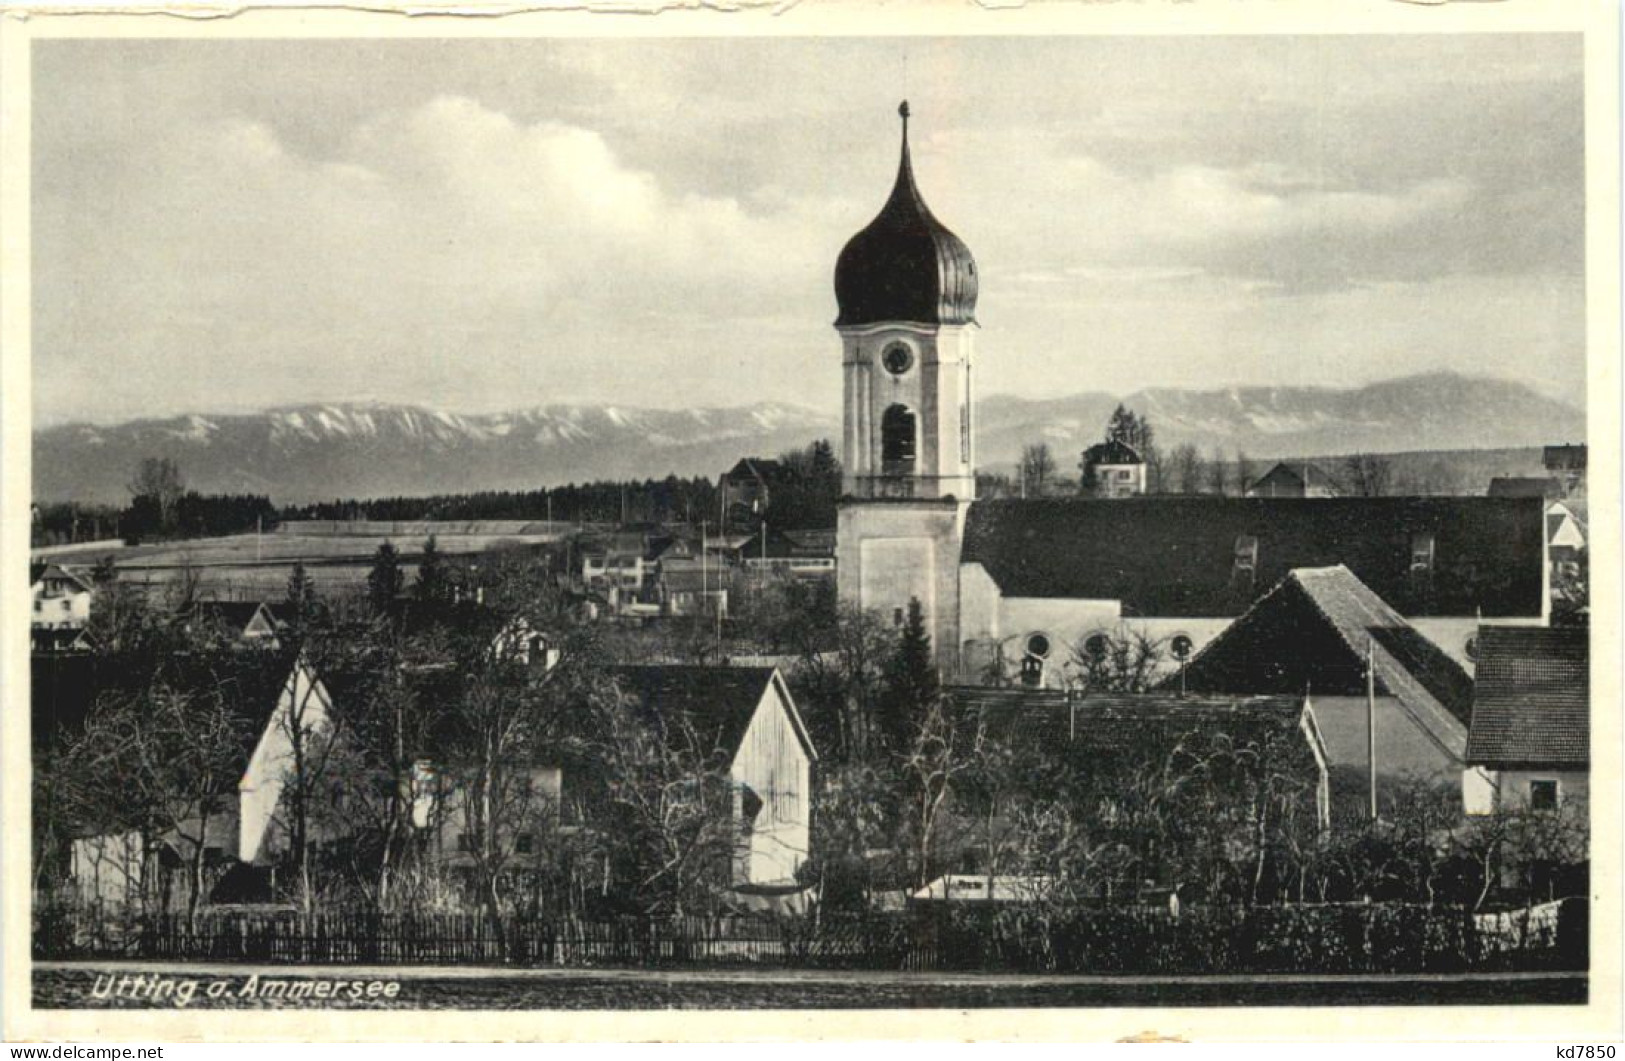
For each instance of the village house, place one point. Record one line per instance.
(61, 597)
(1529, 744)
(747, 489)
(1324, 634)
(1297, 479)
(247, 622)
(258, 694)
(769, 550)
(692, 590)
(1115, 468)
(744, 717)
(1568, 463)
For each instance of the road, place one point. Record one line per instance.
(73, 985)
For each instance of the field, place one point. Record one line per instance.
(337, 556)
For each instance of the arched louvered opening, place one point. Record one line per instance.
(898, 433)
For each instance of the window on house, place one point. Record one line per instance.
(524, 843)
(39, 605)
(465, 842)
(67, 605)
(1543, 795)
(897, 617)
(897, 441)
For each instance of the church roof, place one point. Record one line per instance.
(1178, 556)
(905, 265)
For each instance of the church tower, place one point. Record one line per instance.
(906, 288)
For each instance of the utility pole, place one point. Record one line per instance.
(1371, 722)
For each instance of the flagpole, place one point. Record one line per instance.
(1371, 722)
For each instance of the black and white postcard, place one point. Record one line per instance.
(925, 522)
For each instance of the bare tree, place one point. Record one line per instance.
(1245, 473)
(1037, 469)
(1218, 474)
(159, 480)
(1185, 470)
(1367, 475)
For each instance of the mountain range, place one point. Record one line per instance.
(324, 451)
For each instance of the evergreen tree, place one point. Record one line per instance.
(384, 580)
(912, 685)
(433, 584)
(301, 595)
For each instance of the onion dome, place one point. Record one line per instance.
(906, 265)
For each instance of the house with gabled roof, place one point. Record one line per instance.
(1530, 739)
(248, 622)
(256, 692)
(1319, 633)
(1294, 479)
(747, 488)
(61, 597)
(747, 720)
(1113, 469)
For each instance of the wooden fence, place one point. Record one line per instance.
(1352, 938)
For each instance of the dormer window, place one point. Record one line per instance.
(1422, 554)
(1244, 566)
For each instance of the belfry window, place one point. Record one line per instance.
(897, 441)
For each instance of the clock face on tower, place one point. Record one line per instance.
(897, 358)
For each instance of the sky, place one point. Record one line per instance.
(481, 225)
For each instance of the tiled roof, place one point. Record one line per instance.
(1176, 556)
(1533, 699)
(1112, 451)
(65, 688)
(718, 703)
(1119, 722)
(234, 615)
(1313, 631)
(764, 469)
(1514, 486)
(38, 571)
(1302, 472)
(781, 546)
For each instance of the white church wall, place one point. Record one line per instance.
(893, 551)
(1452, 633)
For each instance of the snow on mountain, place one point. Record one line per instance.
(370, 449)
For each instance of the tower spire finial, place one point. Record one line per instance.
(902, 111)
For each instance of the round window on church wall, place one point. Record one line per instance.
(897, 358)
(1181, 646)
(1097, 645)
(1038, 646)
